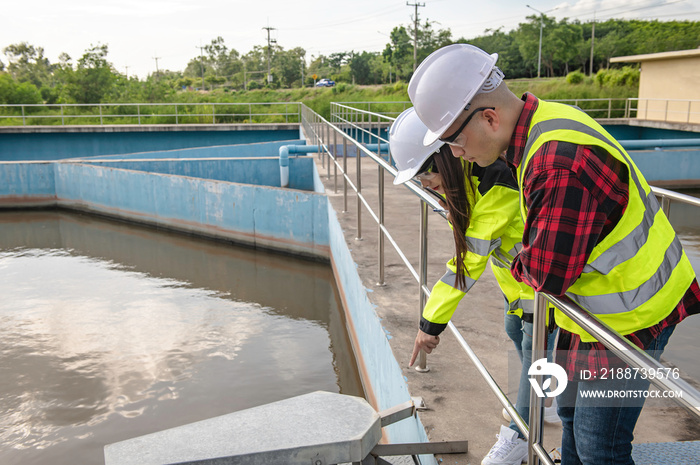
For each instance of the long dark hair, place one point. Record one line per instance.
(458, 186)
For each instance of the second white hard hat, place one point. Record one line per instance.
(445, 83)
(406, 144)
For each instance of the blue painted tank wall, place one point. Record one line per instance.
(257, 171)
(623, 132)
(56, 146)
(261, 149)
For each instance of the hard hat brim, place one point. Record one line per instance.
(405, 175)
(431, 137)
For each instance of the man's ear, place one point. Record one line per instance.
(492, 118)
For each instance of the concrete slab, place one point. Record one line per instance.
(318, 428)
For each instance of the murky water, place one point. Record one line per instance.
(110, 331)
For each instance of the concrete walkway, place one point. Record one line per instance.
(460, 406)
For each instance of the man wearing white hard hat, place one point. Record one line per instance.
(593, 232)
(485, 219)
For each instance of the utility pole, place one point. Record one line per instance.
(539, 55)
(156, 58)
(415, 32)
(269, 41)
(590, 69)
(127, 71)
(201, 63)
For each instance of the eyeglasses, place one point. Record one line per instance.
(428, 170)
(451, 140)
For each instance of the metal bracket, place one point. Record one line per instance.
(397, 413)
(421, 448)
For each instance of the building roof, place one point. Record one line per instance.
(694, 53)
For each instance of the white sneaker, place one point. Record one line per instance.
(508, 450)
(550, 413)
(506, 415)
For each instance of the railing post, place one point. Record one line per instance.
(335, 162)
(345, 174)
(358, 182)
(24, 119)
(138, 112)
(539, 338)
(666, 206)
(100, 107)
(213, 113)
(63, 120)
(609, 107)
(423, 276)
(381, 224)
(327, 137)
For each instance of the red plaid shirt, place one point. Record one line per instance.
(575, 196)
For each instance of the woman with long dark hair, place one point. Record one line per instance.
(484, 212)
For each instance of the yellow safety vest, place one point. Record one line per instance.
(635, 276)
(495, 231)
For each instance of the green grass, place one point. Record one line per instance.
(318, 99)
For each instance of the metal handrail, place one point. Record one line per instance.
(341, 113)
(138, 112)
(671, 110)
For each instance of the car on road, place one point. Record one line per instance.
(325, 83)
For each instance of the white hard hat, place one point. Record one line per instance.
(406, 144)
(445, 83)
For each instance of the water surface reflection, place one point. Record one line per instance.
(110, 331)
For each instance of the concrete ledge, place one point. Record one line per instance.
(318, 428)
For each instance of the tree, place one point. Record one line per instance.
(360, 66)
(288, 65)
(28, 64)
(93, 79)
(14, 93)
(399, 53)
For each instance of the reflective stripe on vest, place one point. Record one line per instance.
(482, 247)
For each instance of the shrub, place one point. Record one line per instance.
(575, 77)
(618, 77)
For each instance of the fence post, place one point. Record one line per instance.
(24, 119)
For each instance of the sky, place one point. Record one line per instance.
(143, 35)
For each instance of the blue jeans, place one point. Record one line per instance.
(520, 332)
(602, 435)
